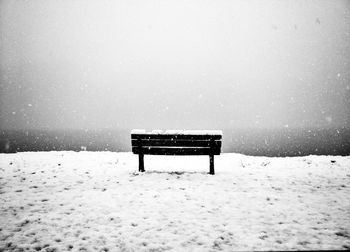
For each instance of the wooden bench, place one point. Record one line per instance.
(176, 142)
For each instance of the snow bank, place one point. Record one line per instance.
(97, 201)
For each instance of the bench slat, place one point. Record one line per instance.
(176, 151)
(173, 137)
(175, 142)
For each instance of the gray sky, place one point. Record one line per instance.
(174, 64)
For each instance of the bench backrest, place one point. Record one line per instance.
(176, 143)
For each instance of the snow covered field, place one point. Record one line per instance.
(97, 201)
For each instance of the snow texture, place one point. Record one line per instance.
(178, 132)
(97, 201)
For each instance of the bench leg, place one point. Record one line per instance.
(211, 161)
(141, 165)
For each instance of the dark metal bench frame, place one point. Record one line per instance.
(176, 144)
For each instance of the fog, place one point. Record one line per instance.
(174, 64)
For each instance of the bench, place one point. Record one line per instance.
(176, 142)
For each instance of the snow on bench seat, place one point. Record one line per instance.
(177, 132)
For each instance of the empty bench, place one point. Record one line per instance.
(176, 142)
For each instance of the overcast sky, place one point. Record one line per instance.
(96, 64)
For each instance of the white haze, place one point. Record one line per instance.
(174, 64)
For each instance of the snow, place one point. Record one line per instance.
(97, 201)
(138, 131)
(178, 132)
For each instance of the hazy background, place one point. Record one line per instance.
(252, 68)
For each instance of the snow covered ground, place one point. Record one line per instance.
(97, 201)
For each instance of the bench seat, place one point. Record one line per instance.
(176, 142)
